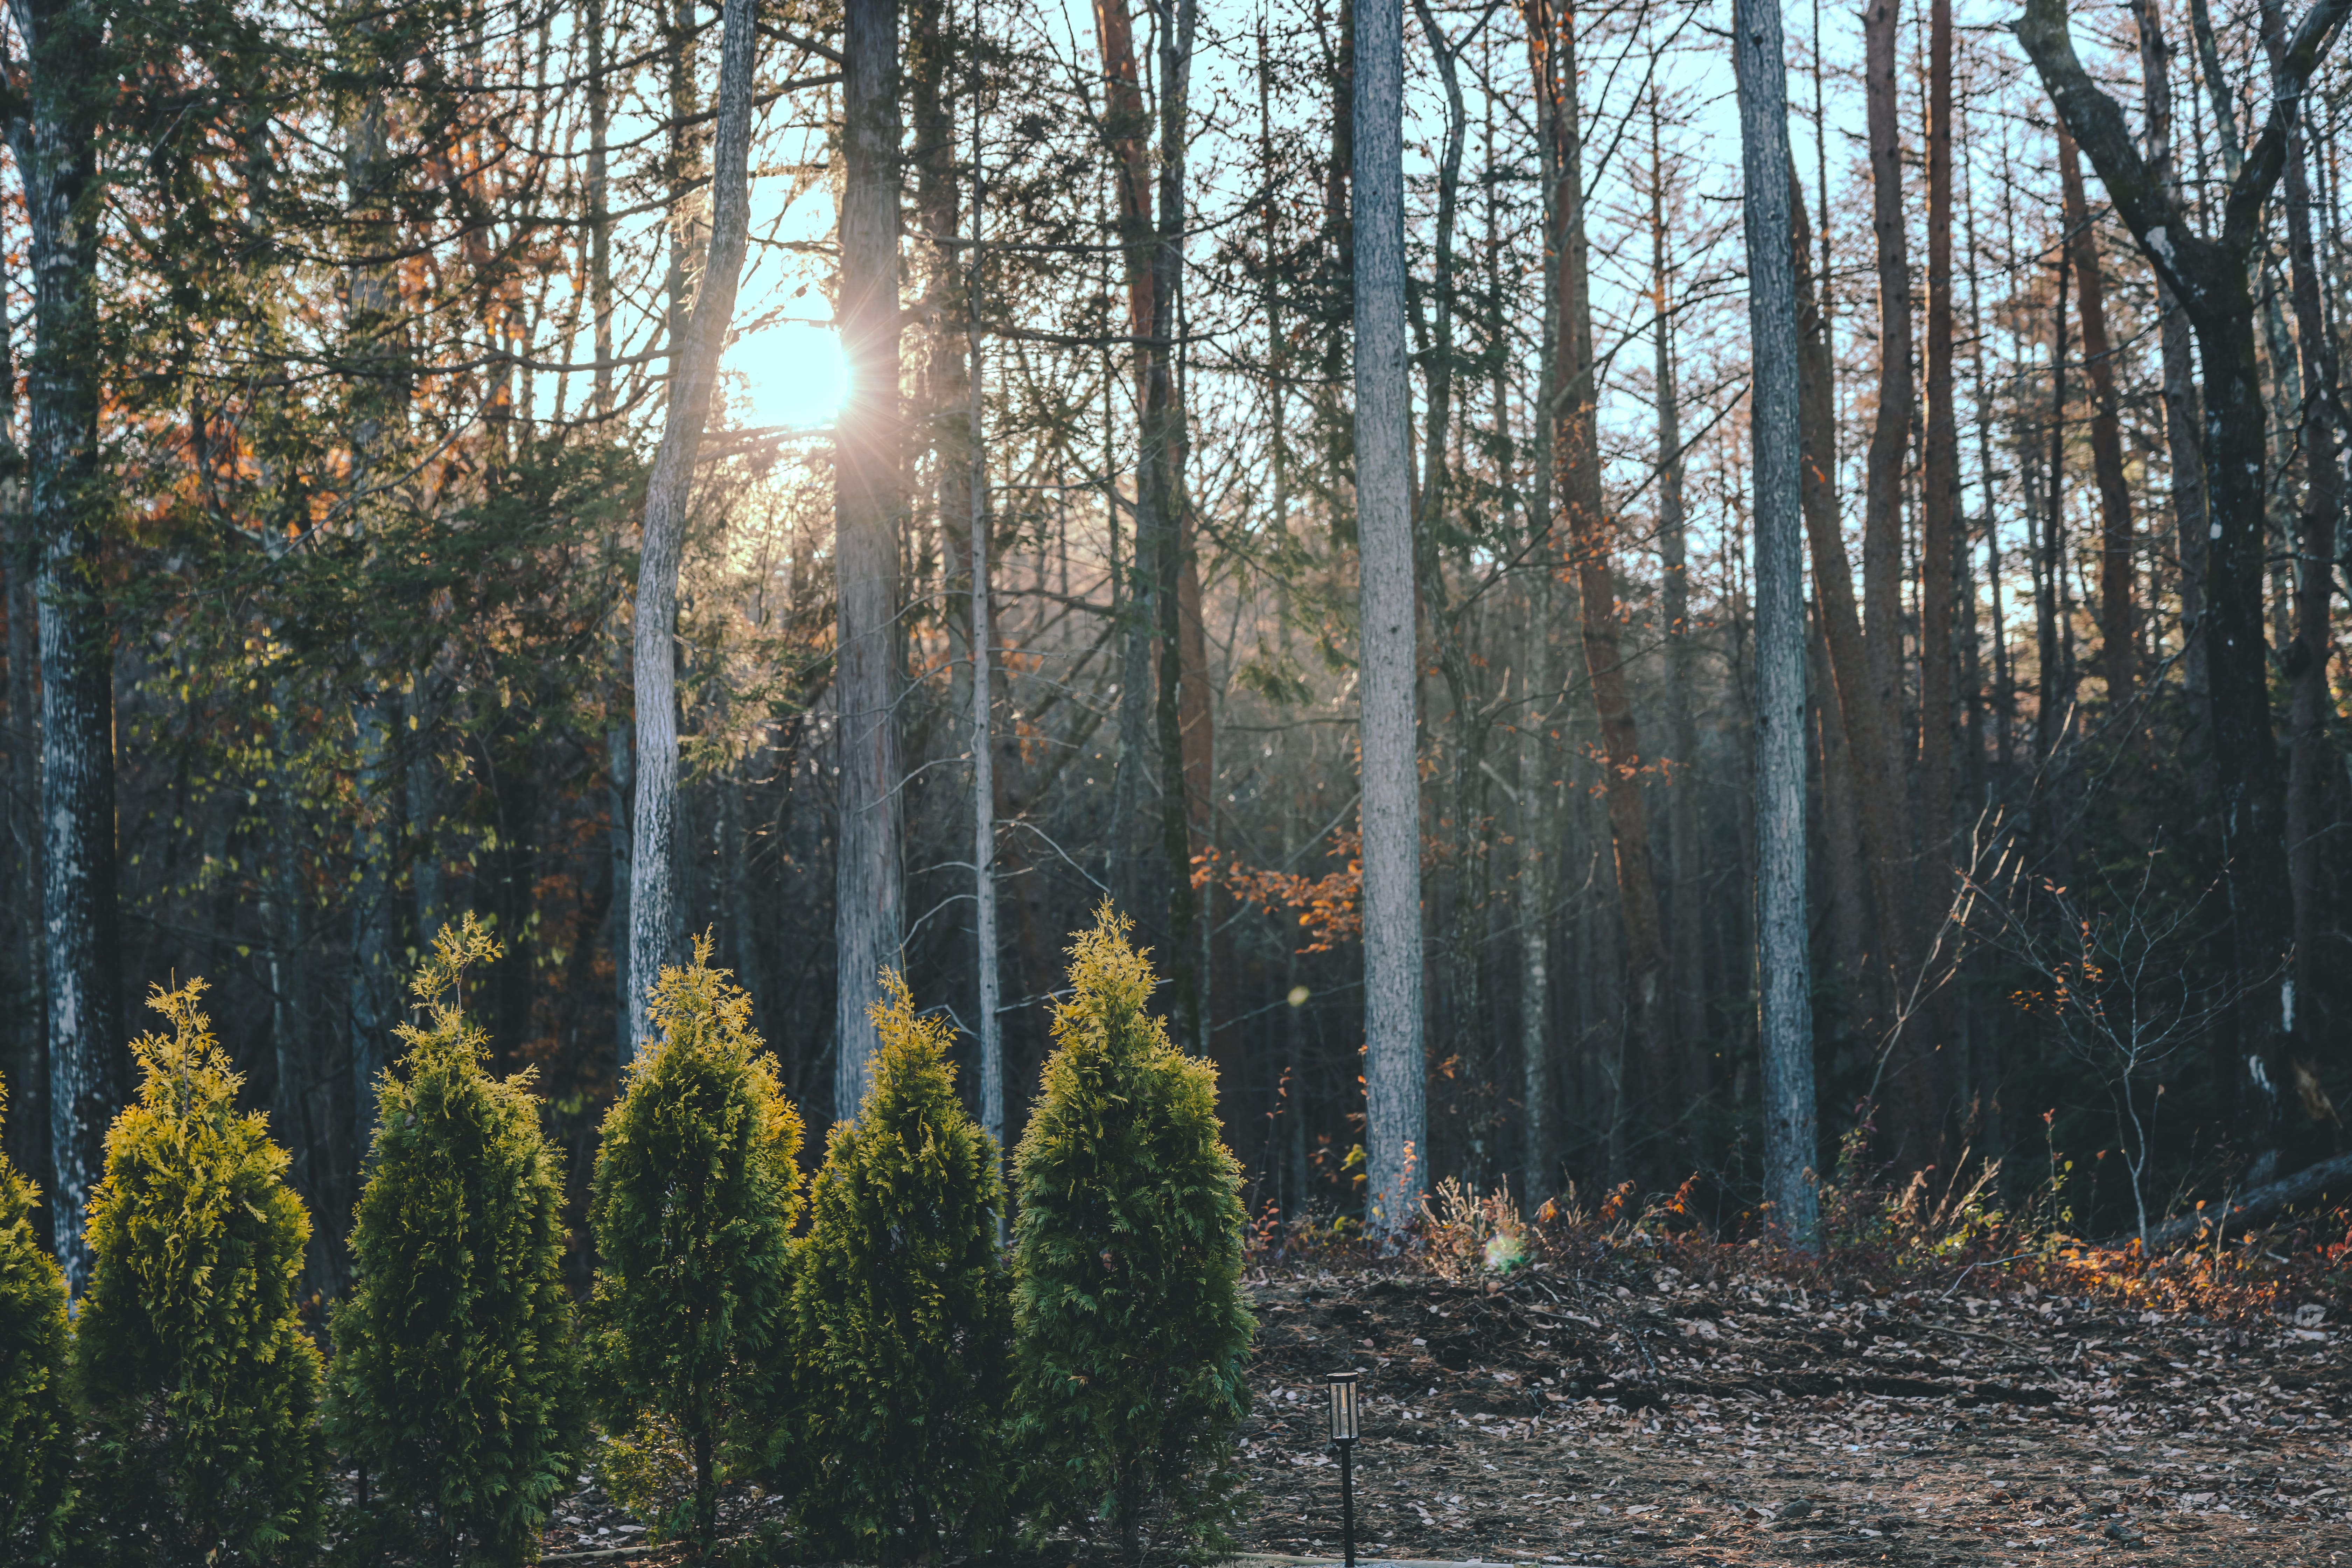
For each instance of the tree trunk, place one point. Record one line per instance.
(1688, 861)
(1576, 462)
(372, 332)
(1939, 492)
(867, 892)
(1465, 913)
(1890, 431)
(1872, 729)
(2118, 617)
(1183, 749)
(2308, 656)
(55, 147)
(1773, 220)
(1395, 1114)
(669, 489)
(1127, 124)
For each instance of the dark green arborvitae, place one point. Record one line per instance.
(456, 1382)
(695, 1192)
(901, 1320)
(1130, 1332)
(199, 1386)
(35, 1417)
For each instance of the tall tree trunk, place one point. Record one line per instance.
(1939, 483)
(1127, 124)
(1185, 760)
(669, 490)
(1395, 1113)
(1775, 247)
(1872, 731)
(1688, 860)
(1941, 549)
(27, 1128)
(1576, 459)
(372, 331)
(866, 893)
(1916, 1133)
(1543, 845)
(2312, 650)
(2118, 616)
(1465, 908)
(2209, 276)
(55, 147)
(1890, 430)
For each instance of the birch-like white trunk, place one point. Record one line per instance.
(54, 148)
(1395, 1112)
(1785, 1021)
(984, 737)
(867, 909)
(694, 369)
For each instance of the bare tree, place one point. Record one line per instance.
(2207, 274)
(1395, 1107)
(1784, 988)
(669, 489)
(868, 909)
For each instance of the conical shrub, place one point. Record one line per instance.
(35, 1415)
(695, 1192)
(901, 1318)
(199, 1386)
(1130, 1332)
(456, 1381)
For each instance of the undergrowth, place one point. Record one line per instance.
(1878, 1237)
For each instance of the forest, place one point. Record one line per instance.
(1613, 613)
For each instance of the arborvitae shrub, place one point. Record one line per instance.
(901, 1319)
(456, 1380)
(1129, 1332)
(692, 1209)
(36, 1417)
(199, 1386)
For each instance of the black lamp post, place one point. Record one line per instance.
(1342, 1385)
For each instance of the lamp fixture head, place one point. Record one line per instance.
(1342, 1386)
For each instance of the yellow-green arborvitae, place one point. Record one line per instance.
(199, 1387)
(1129, 1330)
(36, 1415)
(697, 1183)
(901, 1320)
(456, 1381)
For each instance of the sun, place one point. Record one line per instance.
(795, 373)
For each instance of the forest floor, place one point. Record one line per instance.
(1562, 1420)
(1643, 1416)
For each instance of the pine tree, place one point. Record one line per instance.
(692, 1209)
(199, 1386)
(36, 1418)
(456, 1378)
(901, 1317)
(1129, 1332)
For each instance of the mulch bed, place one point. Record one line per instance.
(1645, 1418)
(1572, 1420)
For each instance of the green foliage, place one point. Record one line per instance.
(1131, 1331)
(200, 1387)
(695, 1192)
(901, 1318)
(35, 1417)
(456, 1381)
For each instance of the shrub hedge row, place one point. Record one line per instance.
(911, 1390)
